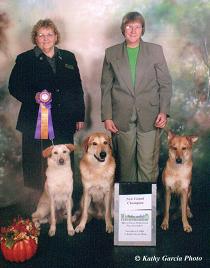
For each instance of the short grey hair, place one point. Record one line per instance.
(130, 17)
(45, 23)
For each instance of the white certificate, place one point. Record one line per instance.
(135, 217)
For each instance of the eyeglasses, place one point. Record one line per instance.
(48, 36)
(131, 27)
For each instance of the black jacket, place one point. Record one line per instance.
(32, 74)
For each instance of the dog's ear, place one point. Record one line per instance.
(192, 138)
(170, 134)
(47, 152)
(71, 147)
(85, 144)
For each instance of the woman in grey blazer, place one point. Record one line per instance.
(136, 92)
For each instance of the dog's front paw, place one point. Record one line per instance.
(52, 231)
(187, 228)
(71, 231)
(165, 225)
(37, 224)
(80, 228)
(109, 228)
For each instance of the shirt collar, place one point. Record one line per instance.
(38, 51)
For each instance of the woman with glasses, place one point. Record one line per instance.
(136, 91)
(52, 73)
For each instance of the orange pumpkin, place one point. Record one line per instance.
(21, 251)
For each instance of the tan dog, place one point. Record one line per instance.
(57, 195)
(97, 169)
(177, 176)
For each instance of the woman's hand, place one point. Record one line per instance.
(161, 120)
(37, 97)
(79, 125)
(109, 125)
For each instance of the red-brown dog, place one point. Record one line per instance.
(177, 176)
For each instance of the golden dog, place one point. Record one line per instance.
(177, 176)
(97, 169)
(58, 189)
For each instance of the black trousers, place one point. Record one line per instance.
(33, 164)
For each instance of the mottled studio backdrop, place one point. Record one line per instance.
(87, 28)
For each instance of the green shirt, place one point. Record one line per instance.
(132, 57)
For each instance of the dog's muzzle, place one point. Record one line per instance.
(61, 161)
(101, 157)
(178, 160)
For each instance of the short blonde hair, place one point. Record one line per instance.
(46, 23)
(130, 17)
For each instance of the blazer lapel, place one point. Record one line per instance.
(124, 68)
(140, 64)
(59, 63)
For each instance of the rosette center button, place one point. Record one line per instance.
(45, 96)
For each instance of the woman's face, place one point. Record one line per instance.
(133, 33)
(46, 39)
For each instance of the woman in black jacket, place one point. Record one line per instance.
(46, 67)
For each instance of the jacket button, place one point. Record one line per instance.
(57, 90)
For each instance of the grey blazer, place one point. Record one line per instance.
(151, 94)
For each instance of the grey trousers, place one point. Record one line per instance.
(136, 153)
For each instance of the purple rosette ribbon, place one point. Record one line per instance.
(44, 125)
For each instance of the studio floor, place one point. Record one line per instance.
(94, 247)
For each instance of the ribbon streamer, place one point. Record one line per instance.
(44, 125)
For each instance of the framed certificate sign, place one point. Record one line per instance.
(135, 214)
